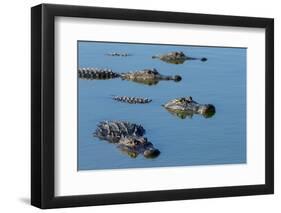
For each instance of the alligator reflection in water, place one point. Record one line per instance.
(129, 138)
(176, 58)
(148, 82)
(187, 107)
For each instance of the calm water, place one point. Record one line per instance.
(220, 81)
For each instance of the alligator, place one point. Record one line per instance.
(95, 73)
(118, 54)
(132, 100)
(128, 137)
(176, 57)
(186, 106)
(148, 76)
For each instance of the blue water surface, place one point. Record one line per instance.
(220, 81)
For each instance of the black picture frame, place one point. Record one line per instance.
(43, 105)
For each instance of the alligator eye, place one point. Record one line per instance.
(189, 99)
(135, 142)
(182, 100)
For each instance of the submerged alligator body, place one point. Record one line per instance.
(177, 57)
(118, 54)
(129, 138)
(186, 106)
(132, 100)
(148, 76)
(95, 73)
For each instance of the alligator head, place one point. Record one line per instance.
(176, 57)
(148, 76)
(128, 137)
(134, 145)
(186, 106)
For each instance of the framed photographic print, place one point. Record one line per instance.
(139, 106)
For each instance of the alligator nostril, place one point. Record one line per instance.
(204, 59)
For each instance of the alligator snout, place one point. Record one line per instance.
(207, 110)
(177, 78)
(151, 153)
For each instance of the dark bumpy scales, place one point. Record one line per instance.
(95, 73)
(132, 100)
(128, 137)
(118, 54)
(112, 131)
